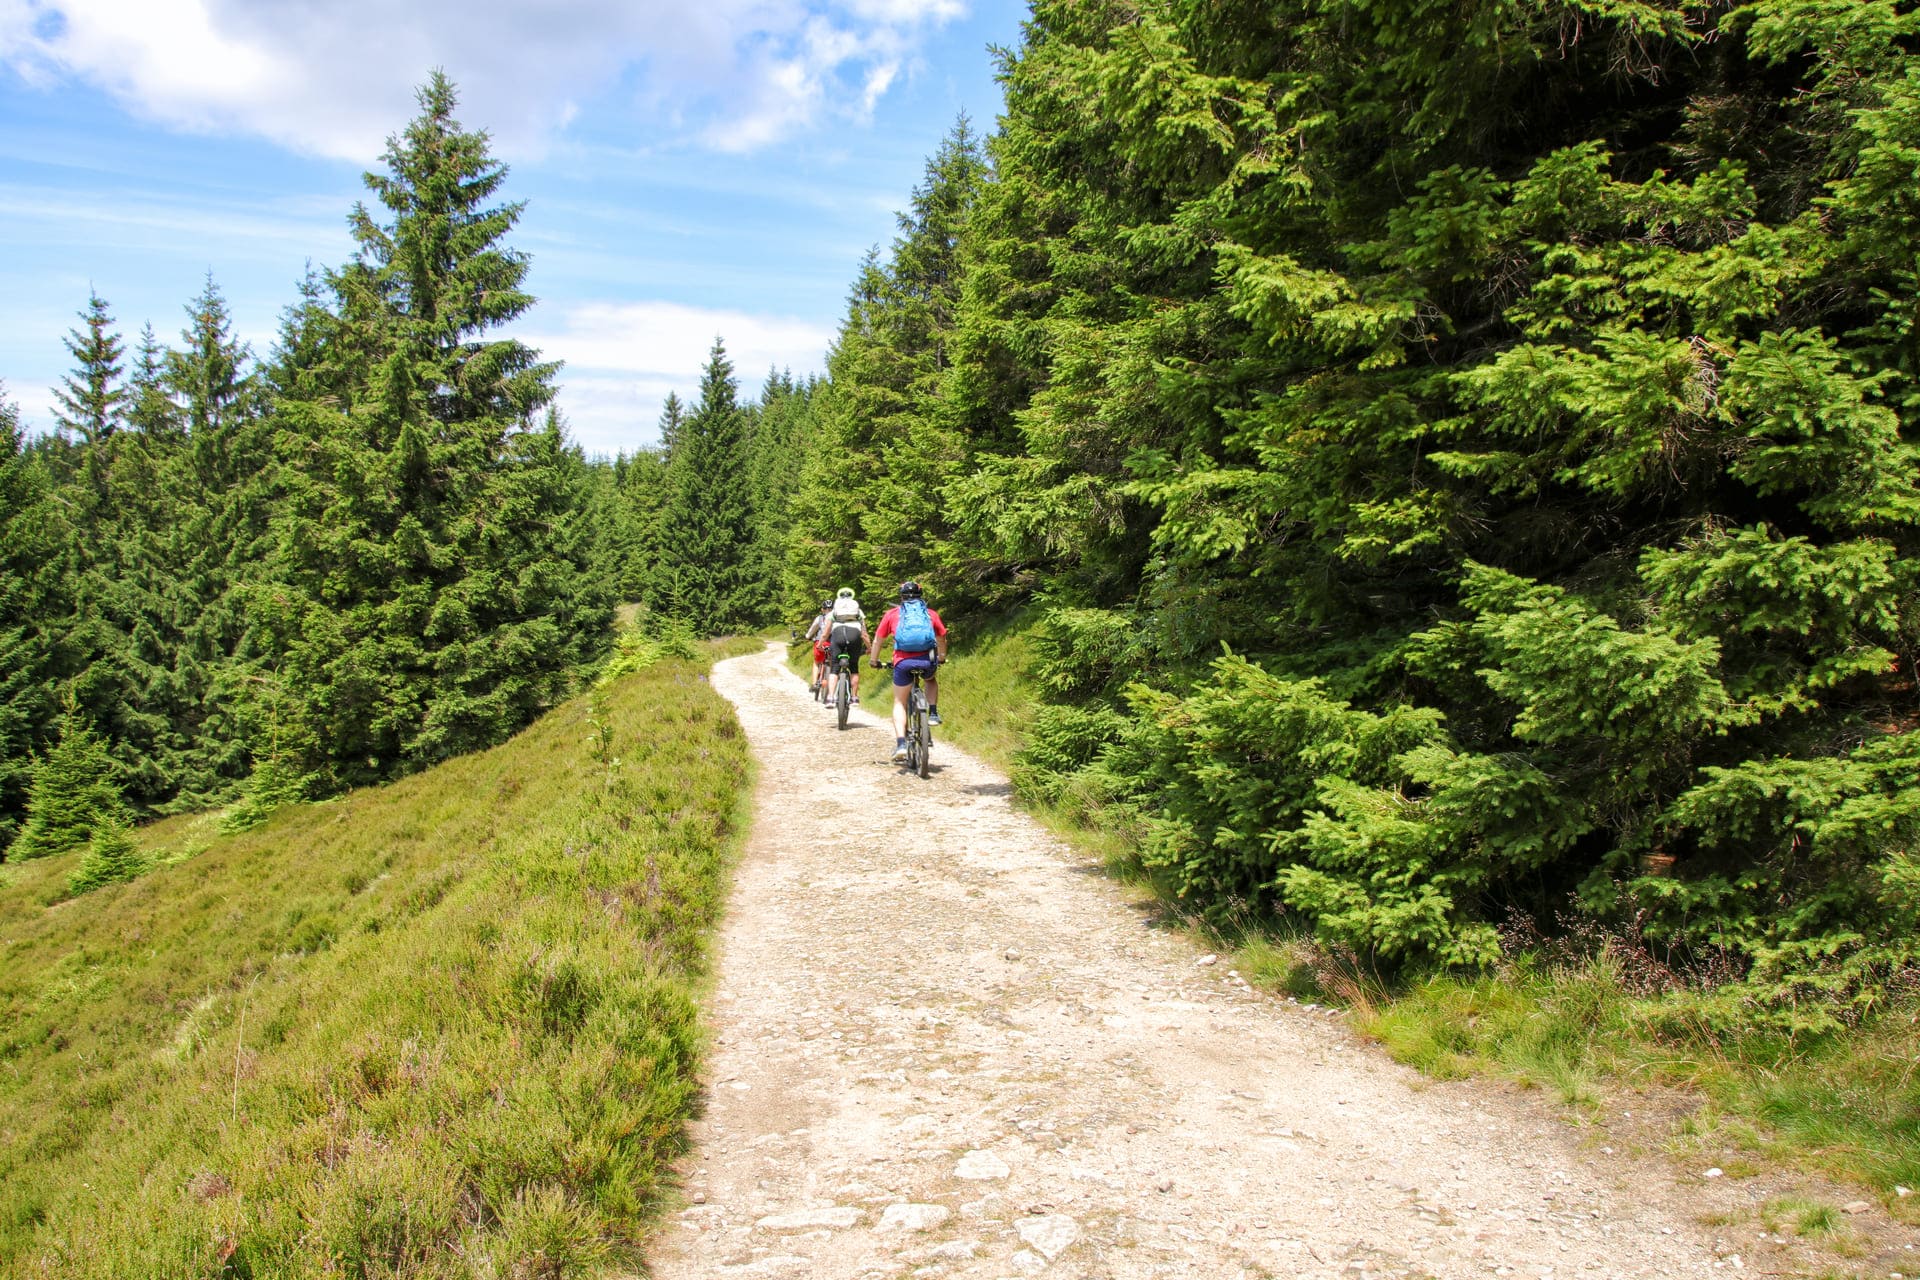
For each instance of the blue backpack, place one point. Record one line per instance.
(913, 631)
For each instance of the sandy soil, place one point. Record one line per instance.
(947, 1046)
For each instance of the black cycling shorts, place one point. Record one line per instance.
(845, 640)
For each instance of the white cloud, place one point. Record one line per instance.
(335, 78)
(163, 222)
(623, 359)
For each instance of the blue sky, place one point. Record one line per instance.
(690, 169)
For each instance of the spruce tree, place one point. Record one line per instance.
(75, 790)
(112, 857)
(873, 508)
(29, 606)
(209, 380)
(425, 603)
(707, 567)
(92, 397)
(643, 498)
(149, 410)
(673, 414)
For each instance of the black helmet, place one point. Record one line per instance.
(825, 605)
(910, 591)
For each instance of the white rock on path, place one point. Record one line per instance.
(979, 1166)
(914, 1217)
(839, 1217)
(1050, 1235)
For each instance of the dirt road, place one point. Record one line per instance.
(947, 1047)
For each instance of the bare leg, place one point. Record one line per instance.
(900, 695)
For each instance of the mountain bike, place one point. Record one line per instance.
(919, 729)
(843, 686)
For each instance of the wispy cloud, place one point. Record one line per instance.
(147, 217)
(736, 74)
(623, 359)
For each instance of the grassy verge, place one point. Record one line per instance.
(1847, 1105)
(441, 1028)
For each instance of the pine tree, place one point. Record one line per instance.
(112, 858)
(210, 382)
(872, 509)
(673, 415)
(707, 572)
(148, 408)
(75, 790)
(91, 399)
(29, 604)
(643, 499)
(426, 602)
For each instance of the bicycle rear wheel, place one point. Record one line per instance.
(843, 696)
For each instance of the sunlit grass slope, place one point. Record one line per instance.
(444, 1028)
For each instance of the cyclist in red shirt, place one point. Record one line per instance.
(908, 661)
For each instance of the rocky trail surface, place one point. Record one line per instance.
(946, 1046)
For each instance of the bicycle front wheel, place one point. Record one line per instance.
(922, 736)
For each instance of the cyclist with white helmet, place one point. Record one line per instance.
(846, 634)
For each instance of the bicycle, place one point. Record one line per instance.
(919, 727)
(819, 691)
(843, 686)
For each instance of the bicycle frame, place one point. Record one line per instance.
(919, 729)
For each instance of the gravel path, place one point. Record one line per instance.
(946, 1046)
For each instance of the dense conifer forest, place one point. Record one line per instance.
(1459, 467)
(241, 579)
(1462, 463)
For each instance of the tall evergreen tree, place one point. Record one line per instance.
(214, 547)
(92, 397)
(871, 509)
(149, 410)
(424, 603)
(707, 571)
(210, 381)
(673, 414)
(28, 610)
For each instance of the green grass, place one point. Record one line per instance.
(1846, 1104)
(446, 1027)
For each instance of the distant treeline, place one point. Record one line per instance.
(1463, 460)
(371, 550)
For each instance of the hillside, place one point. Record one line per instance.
(446, 1024)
